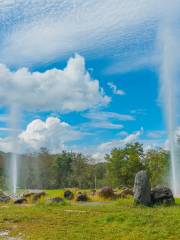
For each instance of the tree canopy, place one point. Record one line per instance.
(71, 169)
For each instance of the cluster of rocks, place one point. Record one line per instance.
(68, 195)
(108, 192)
(79, 196)
(35, 196)
(143, 194)
(24, 198)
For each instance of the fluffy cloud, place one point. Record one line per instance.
(70, 89)
(52, 134)
(115, 90)
(106, 147)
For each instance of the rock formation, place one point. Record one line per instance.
(142, 189)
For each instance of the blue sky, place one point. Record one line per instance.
(140, 99)
(120, 47)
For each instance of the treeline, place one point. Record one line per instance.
(69, 169)
(123, 164)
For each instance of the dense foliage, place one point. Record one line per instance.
(69, 169)
(124, 163)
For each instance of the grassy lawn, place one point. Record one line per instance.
(116, 220)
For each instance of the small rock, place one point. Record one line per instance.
(127, 191)
(124, 193)
(162, 195)
(68, 195)
(20, 201)
(142, 189)
(4, 198)
(82, 197)
(107, 192)
(28, 195)
(37, 196)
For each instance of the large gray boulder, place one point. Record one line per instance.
(162, 195)
(142, 189)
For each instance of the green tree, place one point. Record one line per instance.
(157, 163)
(73, 170)
(82, 171)
(124, 163)
(27, 177)
(63, 169)
(101, 174)
(45, 170)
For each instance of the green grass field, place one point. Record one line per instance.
(118, 219)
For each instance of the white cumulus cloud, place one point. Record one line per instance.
(70, 89)
(52, 134)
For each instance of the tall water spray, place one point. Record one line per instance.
(14, 172)
(13, 168)
(169, 86)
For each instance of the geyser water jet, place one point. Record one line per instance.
(169, 86)
(14, 172)
(14, 123)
